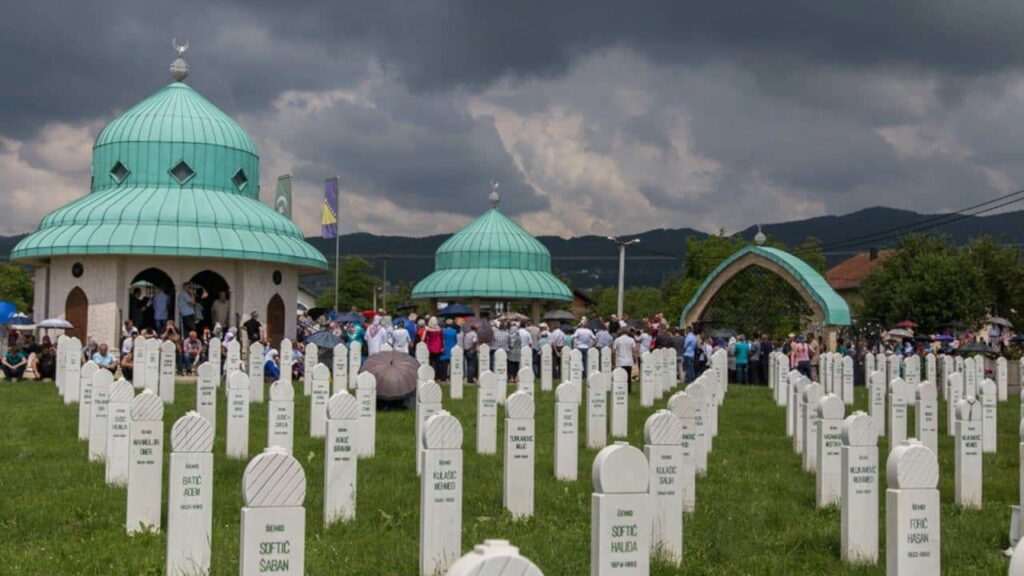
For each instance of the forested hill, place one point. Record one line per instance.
(593, 260)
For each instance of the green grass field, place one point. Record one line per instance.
(755, 509)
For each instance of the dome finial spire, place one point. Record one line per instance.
(179, 68)
(495, 197)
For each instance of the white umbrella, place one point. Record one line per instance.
(55, 323)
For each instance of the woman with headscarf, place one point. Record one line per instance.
(271, 371)
(375, 336)
(435, 344)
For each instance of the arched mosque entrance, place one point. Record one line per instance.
(207, 287)
(76, 311)
(141, 292)
(275, 320)
(828, 307)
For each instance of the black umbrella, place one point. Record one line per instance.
(395, 373)
(316, 313)
(406, 306)
(723, 333)
(595, 324)
(455, 310)
(558, 316)
(351, 317)
(324, 340)
(974, 348)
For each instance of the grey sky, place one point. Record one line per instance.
(597, 116)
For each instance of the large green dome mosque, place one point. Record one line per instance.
(174, 199)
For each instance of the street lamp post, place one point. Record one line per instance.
(622, 268)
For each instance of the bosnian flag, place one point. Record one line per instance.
(329, 217)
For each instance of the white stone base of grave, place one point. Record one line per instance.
(273, 540)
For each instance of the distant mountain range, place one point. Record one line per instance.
(590, 261)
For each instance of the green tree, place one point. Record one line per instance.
(929, 281)
(16, 286)
(355, 286)
(1003, 276)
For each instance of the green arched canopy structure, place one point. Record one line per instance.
(829, 307)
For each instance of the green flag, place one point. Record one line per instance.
(283, 201)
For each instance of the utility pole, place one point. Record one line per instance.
(622, 268)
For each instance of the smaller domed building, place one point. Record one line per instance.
(493, 260)
(174, 199)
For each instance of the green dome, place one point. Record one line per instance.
(493, 257)
(172, 176)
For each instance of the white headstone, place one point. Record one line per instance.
(968, 478)
(869, 367)
(663, 447)
(119, 420)
(339, 368)
(139, 363)
(597, 409)
(273, 538)
(988, 398)
(425, 373)
(593, 361)
(620, 513)
(213, 357)
(954, 393)
(281, 416)
(525, 358)
(606, 359)
(566, 431)
(422, 353)
(546, 368)
(456, 377)
(877, 389)
(206, 392)
(1001, 378)
(145, 463)
(701, 446)
(912, 529)
(683, 407)
(897, 412)
(788, 391)
(287, 359)
(912, 367)
(830, 455)
(366, 425)
(970, 374)
(520, 439)
(525, 380)
(930, 365)
(232, 356)
(620, 403)
(576, 368)
(797, 400)
(237, 444)
(647, 391)
(501, 374)
(355, 358)
(847, 394)
(152, 365)
(487, 414)
(926, 418)
(168, 366)
(319, 393)
(859, 502)
(483, 359)
(256, 354)
(441, 494)
(85, 404)
(809, 406)
(565, 365)
(62, 363)
(428, 403)
(190, 496)
(101, 383)
(494, 558)
(310, 358)
(73, 372)
(340, 458)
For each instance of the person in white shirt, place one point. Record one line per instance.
(399, 340)
(625, 348)
(583, 339)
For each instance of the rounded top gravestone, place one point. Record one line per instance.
(494, 558)
(663, 428)
(342, 406)
(519, 405)
(859, 430)
(698, 391)
(599, 381)
(926, 392)
(192, 433)
(620, 469)
(526, 374)
(428, 392)
(682, 405)
(566, 392)
(238, 380)
(987, 388)
(442, 431)
(912, 465)
(273, 479)
(425, 373)
(830, 407)
(121, 391)
(812, 393)
(366, 381)
(1021, 430)
(147, 407)
(968, 409)
(282, 391)
(321, 372)
(207, 371)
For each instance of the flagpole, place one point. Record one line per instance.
(337, 249)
